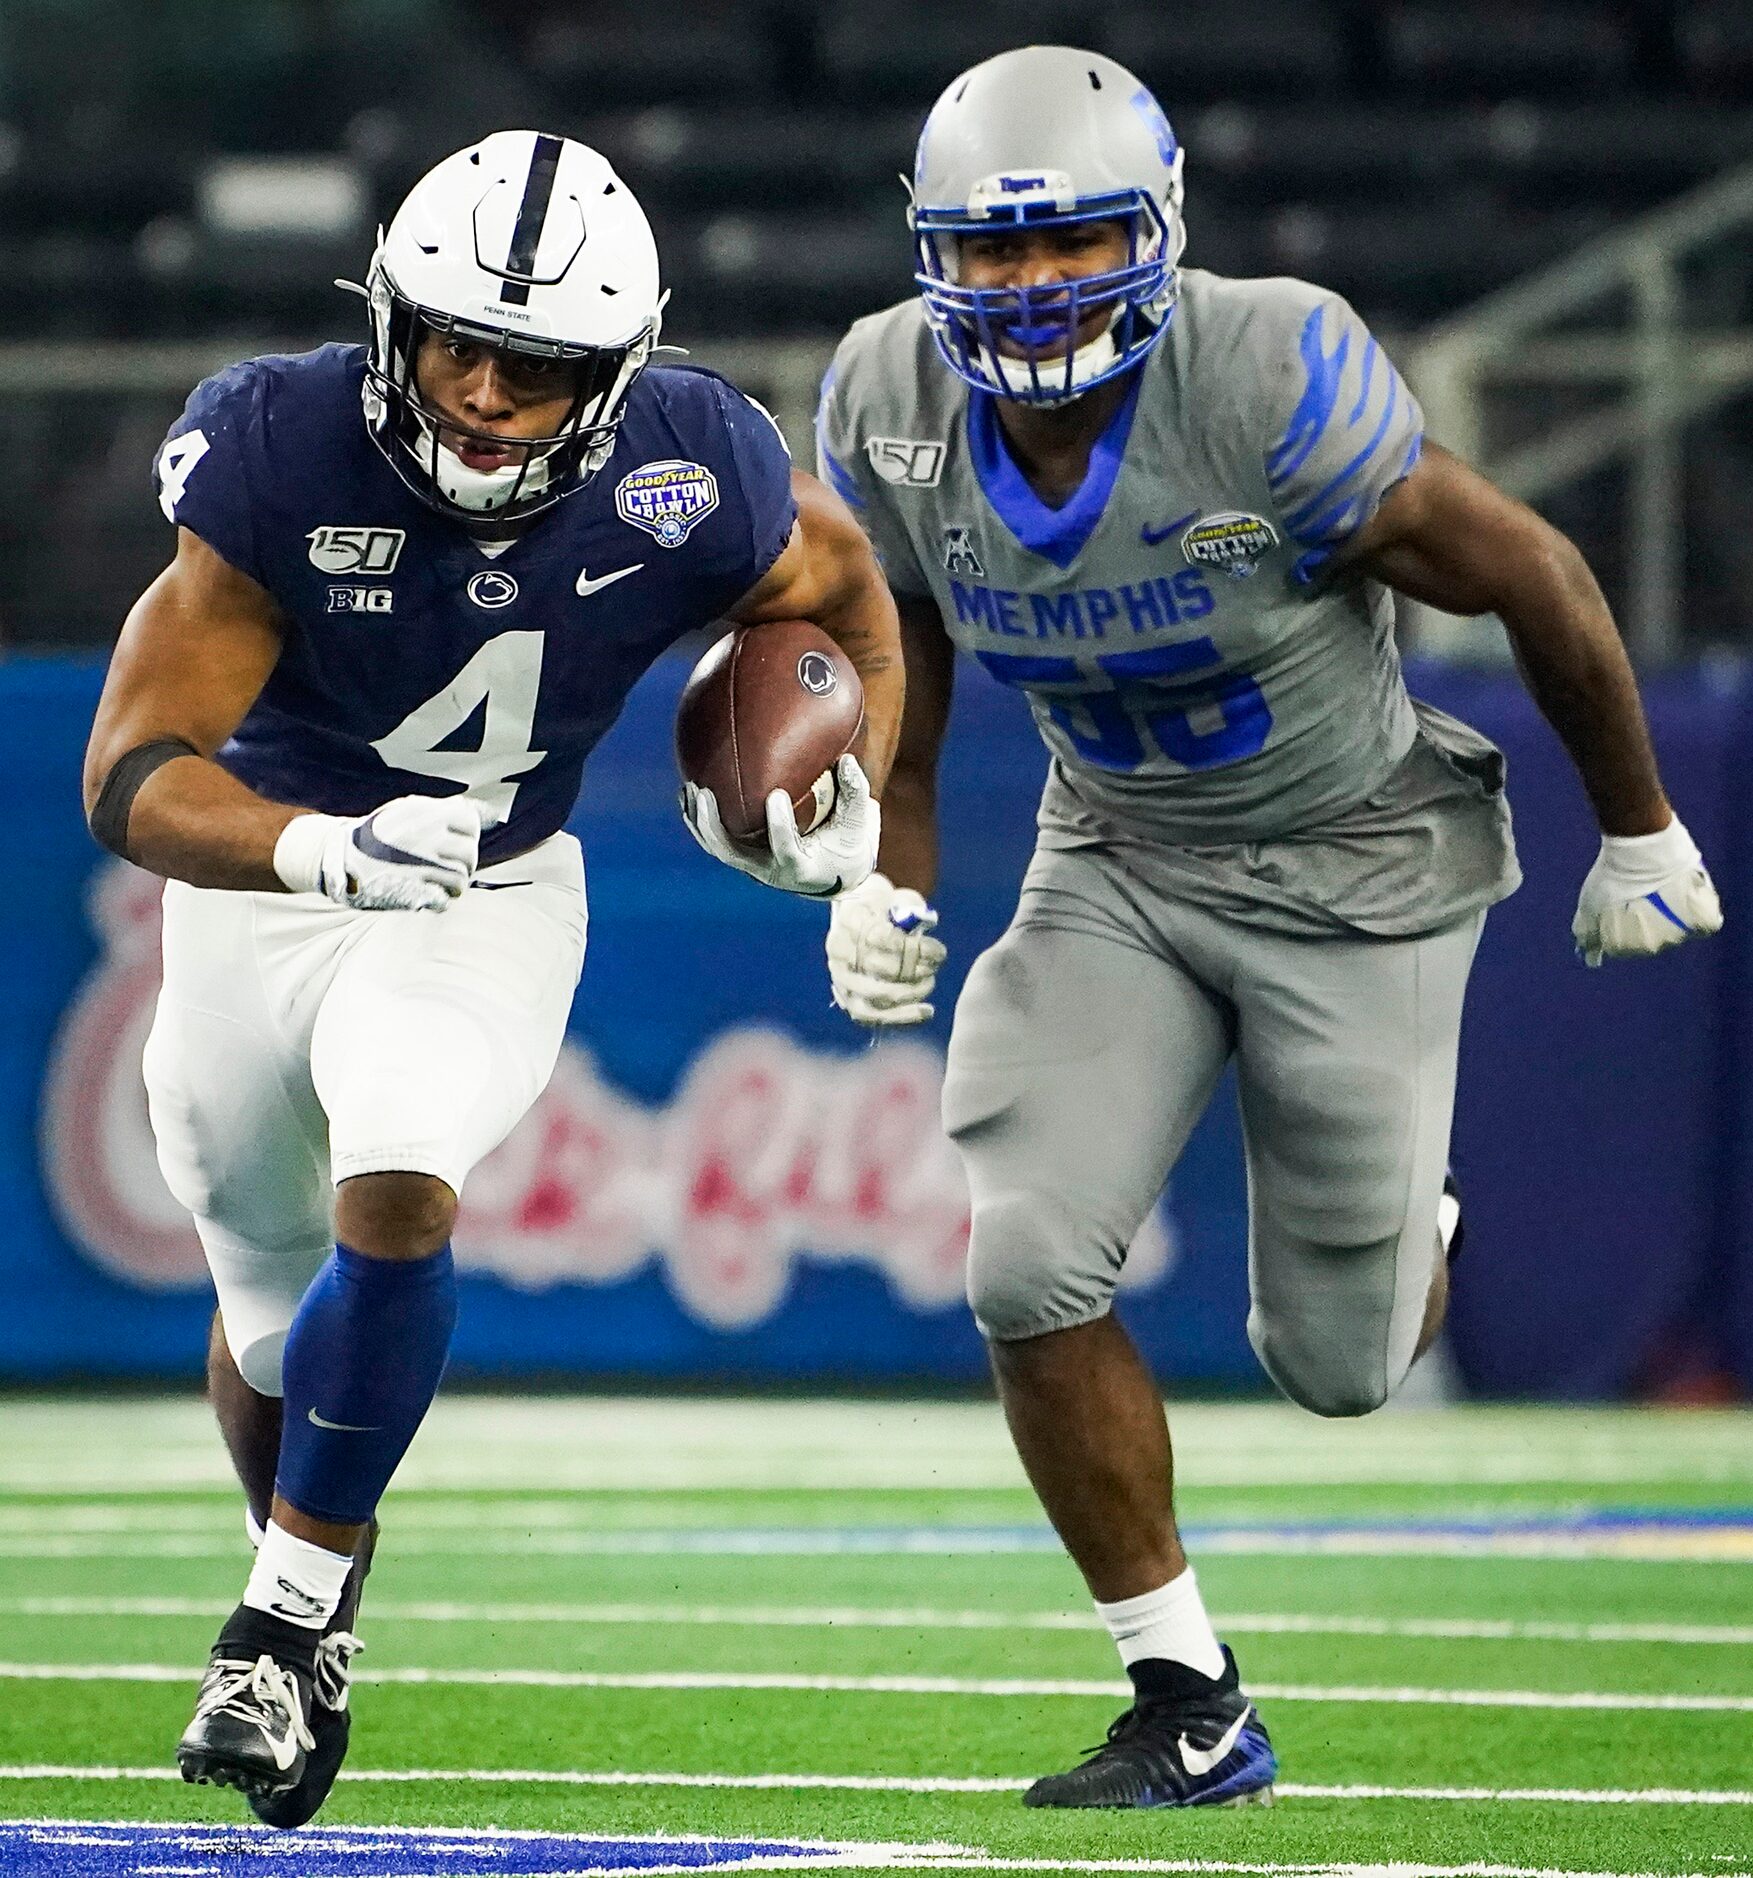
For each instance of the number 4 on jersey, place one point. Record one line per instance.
(505, 676)
(175, 463)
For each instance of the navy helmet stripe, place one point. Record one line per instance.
(532, 213)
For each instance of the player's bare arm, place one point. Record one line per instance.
(1452, 539)
(828, 574)
(195, 652)
(1448, 537)
(192, 659)
(909, 850)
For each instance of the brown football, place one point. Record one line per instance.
(769, 707)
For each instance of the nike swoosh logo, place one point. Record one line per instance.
(1152, 536)
(587, 586)
(283, 1748)
(1202, 1760)
(341, 1428)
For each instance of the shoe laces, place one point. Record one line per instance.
(248, 1688)
(334, 1668)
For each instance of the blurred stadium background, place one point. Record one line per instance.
(1545, 207)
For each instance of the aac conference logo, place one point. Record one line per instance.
(766, 1152)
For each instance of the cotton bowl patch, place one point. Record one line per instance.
(40, 1849)
(1233, 542)
(667, 500)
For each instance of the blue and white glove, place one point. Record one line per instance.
(882, 959)
(415, 854)
(839, 853)
(1644, 894)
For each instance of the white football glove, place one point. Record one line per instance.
(415, 854)
(837, 855)
(1644, 894)
(882, 959)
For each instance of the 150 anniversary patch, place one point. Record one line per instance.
(1234, 542)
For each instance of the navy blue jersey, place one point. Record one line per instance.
(414, 662)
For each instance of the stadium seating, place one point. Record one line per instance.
(1461, 143)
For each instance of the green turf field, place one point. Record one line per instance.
(1505, 1641)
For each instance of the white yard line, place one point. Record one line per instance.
(1010, 1688)
(902, 1783)
(861, 1617)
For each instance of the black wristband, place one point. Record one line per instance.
(115, 800)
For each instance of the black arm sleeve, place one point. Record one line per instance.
(115, 800)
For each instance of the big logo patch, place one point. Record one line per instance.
(39, 1849)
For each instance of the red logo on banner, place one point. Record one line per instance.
(765, 1151)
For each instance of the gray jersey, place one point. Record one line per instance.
(1209, 703)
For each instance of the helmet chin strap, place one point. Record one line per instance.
(1024, 380)
(482, 492)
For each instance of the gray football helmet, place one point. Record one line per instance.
(1047, 134)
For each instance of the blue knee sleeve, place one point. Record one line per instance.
(363, 1361)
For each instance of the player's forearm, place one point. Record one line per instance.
(194, 821)
(865, 627)
(1576, 668)
(908, 855)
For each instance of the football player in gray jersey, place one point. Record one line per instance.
(1172, 509)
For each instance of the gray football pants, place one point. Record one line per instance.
(1087, 1043)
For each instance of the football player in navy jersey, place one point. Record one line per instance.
(413, 584)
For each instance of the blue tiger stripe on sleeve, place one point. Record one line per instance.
(1354, 432)
(835, 473)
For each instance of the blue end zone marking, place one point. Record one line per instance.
(80, 1850)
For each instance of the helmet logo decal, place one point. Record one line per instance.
(1145, 104)
(532, 212)
(491, 588)
(668, 500)
(1232, 541)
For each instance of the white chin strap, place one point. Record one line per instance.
(481, 492)
(1045, 381)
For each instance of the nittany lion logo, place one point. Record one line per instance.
(816, 673)
(1233, 542)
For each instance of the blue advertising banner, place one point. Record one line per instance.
(724, 1179)
(727, 1181)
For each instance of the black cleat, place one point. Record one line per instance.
(331, 1720)
(1450, 1229)
(249, 1729)
(1199, 1744)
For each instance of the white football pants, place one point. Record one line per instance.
(298, 1043)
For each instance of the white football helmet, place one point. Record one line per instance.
(1042, 136)
(531, 244)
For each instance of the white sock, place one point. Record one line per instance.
(1168, 1623)
(296, 1580)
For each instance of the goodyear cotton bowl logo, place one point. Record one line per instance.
(667, 500)
(1232, 542)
